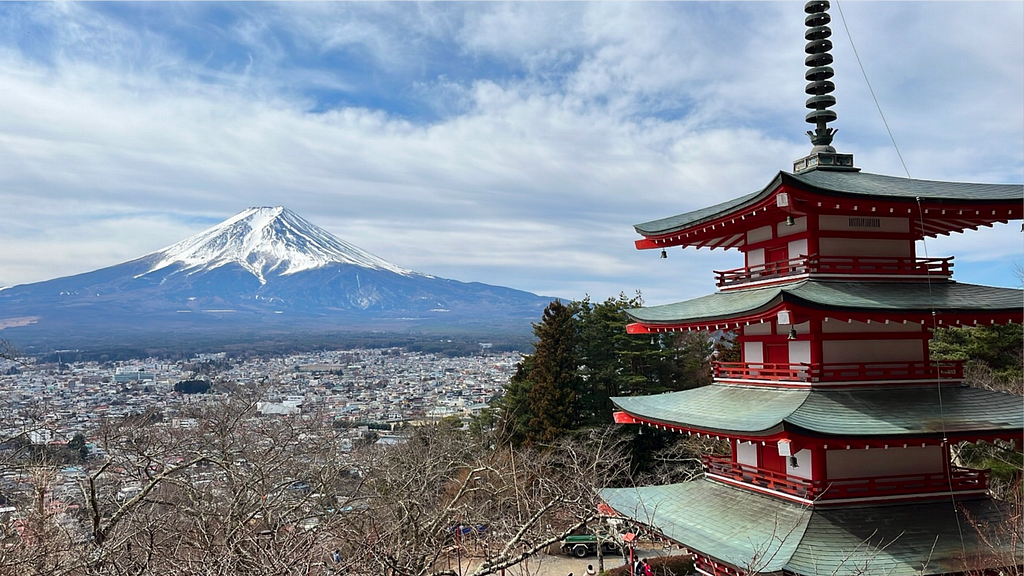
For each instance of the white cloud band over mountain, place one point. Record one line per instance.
(513, 144)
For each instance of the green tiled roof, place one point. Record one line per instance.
(718, 407)
(851, 413)
(723, 522)
(943, 297)
(892, 187)
(903, 411)
(737, 526)
(849, 184)
(678, 221)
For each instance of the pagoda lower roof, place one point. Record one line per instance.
(894, 299)
(896, 413)
(763, 535)
(854, 185)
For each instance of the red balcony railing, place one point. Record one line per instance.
(777, 481)
(837, 265)
(762, 371)
(853, 371)
(959, 480)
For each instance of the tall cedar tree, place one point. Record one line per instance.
(514, 406)
(614, 363)
(584, 357)
(554, 382)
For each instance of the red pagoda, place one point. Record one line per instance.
(840, 425)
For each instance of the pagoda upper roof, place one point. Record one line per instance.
(767, 535)
(890, 412)
(890, 299)
(859, 187)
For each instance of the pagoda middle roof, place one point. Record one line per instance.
(848, 184)
(860, 297)
(768, 535)
(884, 412)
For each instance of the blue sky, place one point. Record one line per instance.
(507, 143)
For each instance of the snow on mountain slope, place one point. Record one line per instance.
(264, 241)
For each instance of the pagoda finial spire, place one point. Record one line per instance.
(819, 90)
(819, 86)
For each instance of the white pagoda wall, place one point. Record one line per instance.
(799, 351)
(799, 225)
(794, 248)
(873, 247)
(863, 244)
(843, 327)
(759, 234)
(872, 350)
(753, 351)
(891, 461)
(746, 453)
(863, 224)
(803, 467)
(798, 248)
(857, 351)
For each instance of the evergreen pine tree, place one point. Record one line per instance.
(554, 382)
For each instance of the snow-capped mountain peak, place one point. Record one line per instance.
(267, 240)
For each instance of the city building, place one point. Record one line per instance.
(840, 425)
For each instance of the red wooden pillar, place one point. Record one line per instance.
(819, 464)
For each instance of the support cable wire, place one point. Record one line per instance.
(928, 277)
(938, 383)
(870, 89)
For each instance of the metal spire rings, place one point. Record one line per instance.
(819, 86)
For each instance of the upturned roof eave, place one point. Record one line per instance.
(960, 302)
(862, 415)
(785, 428)
(663, 226)
(922, 192)
(735, 526)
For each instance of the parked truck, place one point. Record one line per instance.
(583, 545)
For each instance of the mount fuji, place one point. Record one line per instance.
(263, 272)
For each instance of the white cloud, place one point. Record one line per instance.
(561, 126)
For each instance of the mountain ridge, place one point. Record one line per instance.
(276, 230)
(265, 266)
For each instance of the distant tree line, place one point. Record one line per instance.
(173, 349)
